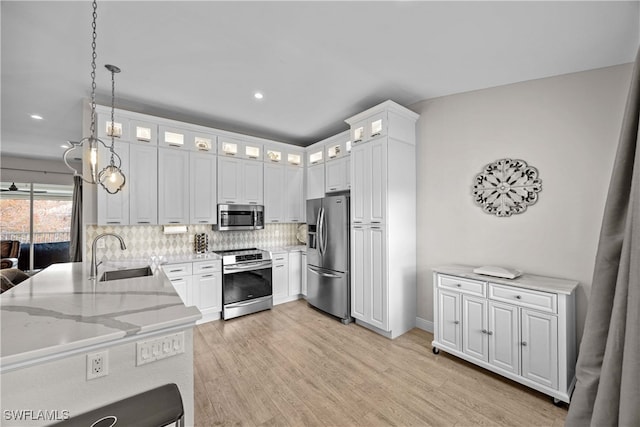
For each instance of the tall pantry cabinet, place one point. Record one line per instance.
(383, 219)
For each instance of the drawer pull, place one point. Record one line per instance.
(176, 271)
(207, 275)
(524, 343)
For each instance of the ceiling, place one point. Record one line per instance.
(317, 63)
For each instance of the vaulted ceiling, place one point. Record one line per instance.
(316, 63)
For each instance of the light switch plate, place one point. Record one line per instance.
(159, 348)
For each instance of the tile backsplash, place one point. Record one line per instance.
(144, 241)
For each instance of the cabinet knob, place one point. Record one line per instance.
(484, 331)
(456, 322)
(458, 285)
(489, 333)
(518, 297)
(524, 343)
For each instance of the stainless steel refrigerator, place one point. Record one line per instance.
(328, 255)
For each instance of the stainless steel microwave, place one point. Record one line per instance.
(240, 217)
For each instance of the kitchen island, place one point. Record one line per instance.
(55, 323)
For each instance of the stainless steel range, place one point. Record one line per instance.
(246, 282)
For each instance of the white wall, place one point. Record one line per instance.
(567, 127)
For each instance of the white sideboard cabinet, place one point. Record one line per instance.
(523, 328)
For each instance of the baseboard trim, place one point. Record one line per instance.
(425, 325)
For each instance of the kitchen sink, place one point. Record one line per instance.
(126, 274)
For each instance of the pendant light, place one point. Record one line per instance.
(111, 177)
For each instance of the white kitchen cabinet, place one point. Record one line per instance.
(119, 128)
(337, 175)
(143, 184)
(170, 136)
(239, 148)
(523, 329)
(240, 181)
(207, 289)
(303, 268)
(280, 277)
(202, 142)
(229, 180)
(180, 277)
(383, 206)
(369, 182)
(202, 188)
(369, 293)
(315, 155)
(199, 284)
(253, 185)
(283, 193)
(143, 132)
(173, 186)
(295, 203)
(275, 194)
(337, 146)
(315, 181)
(113, 209)
(295, 273)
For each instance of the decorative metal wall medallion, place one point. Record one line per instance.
(506, 187)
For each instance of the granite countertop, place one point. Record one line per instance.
(528, 281)
(61, 310)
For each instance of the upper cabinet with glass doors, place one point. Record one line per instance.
(235, 147)
(338, 146)
(125, 126)
(373, 124)
(283, 154)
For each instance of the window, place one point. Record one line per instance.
(42, 226)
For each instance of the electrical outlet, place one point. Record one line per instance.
(97, 365)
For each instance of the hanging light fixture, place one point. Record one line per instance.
(111, 177)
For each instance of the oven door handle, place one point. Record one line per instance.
(247, 267)
(249, 302)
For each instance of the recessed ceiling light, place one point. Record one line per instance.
(258, 95)
(36, 117)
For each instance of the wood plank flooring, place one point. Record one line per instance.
(295, 366)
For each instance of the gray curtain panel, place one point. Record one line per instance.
(75, 245)
(607, 390)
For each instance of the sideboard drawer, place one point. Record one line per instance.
(468, 286)
(538, 300)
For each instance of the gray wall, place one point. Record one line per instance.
(43, 171)
(567, 127)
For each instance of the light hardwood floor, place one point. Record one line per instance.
(295, 366)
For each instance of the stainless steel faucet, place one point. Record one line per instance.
(94, 265)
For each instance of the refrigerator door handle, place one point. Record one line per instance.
(323, 274)
(324, 232)
(321, 230)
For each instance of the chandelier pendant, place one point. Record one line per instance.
(111, 177)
